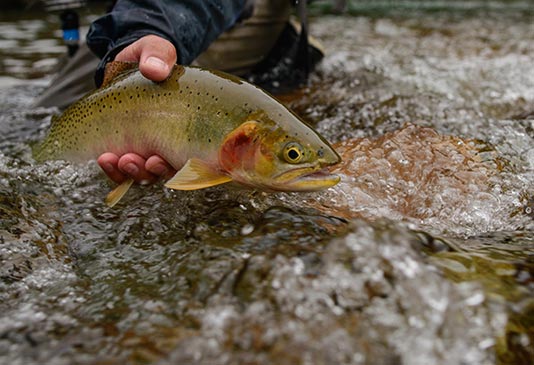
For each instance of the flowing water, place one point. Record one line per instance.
(423, 254)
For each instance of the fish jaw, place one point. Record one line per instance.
(305, 179)
(310, 177)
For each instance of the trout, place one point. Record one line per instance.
(212, 127)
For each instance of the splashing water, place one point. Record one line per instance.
(442, 183)
(423, 254)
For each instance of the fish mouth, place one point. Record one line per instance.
(307, 179)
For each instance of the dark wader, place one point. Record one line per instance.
(249, 49)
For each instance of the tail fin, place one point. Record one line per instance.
(43, 150)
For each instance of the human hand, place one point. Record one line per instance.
(156, 57)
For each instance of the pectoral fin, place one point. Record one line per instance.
(196, 174)
(116, 194)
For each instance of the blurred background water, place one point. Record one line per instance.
(423, 254)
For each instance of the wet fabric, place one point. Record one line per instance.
(191, 26)
(236, 51)
(242, 47)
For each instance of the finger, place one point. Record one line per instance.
(158, 166)
(109, 163)
(129, 54)
(156, 56)
(133, 165)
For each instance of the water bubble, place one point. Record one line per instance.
(247, 229)
(475, 299)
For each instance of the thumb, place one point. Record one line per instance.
(156, 56)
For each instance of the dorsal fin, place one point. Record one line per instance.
(116, 68)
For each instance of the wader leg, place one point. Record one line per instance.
(241, 48)
(237, 51)
(74, 79)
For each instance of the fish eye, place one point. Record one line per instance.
(293, 152)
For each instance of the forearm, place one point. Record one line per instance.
(190, 25)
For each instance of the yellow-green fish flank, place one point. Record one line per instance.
(218, 126)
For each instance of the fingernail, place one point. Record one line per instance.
(131, 169)
(156, 62)
(159, 170)
(108, 168)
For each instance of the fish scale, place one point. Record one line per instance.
(135, 113)
(194, 114)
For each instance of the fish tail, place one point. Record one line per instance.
(44, 150)
(38, 152)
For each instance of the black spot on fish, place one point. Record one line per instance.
(209, 140)
(198, 107)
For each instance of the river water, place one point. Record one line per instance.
(423, 254)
